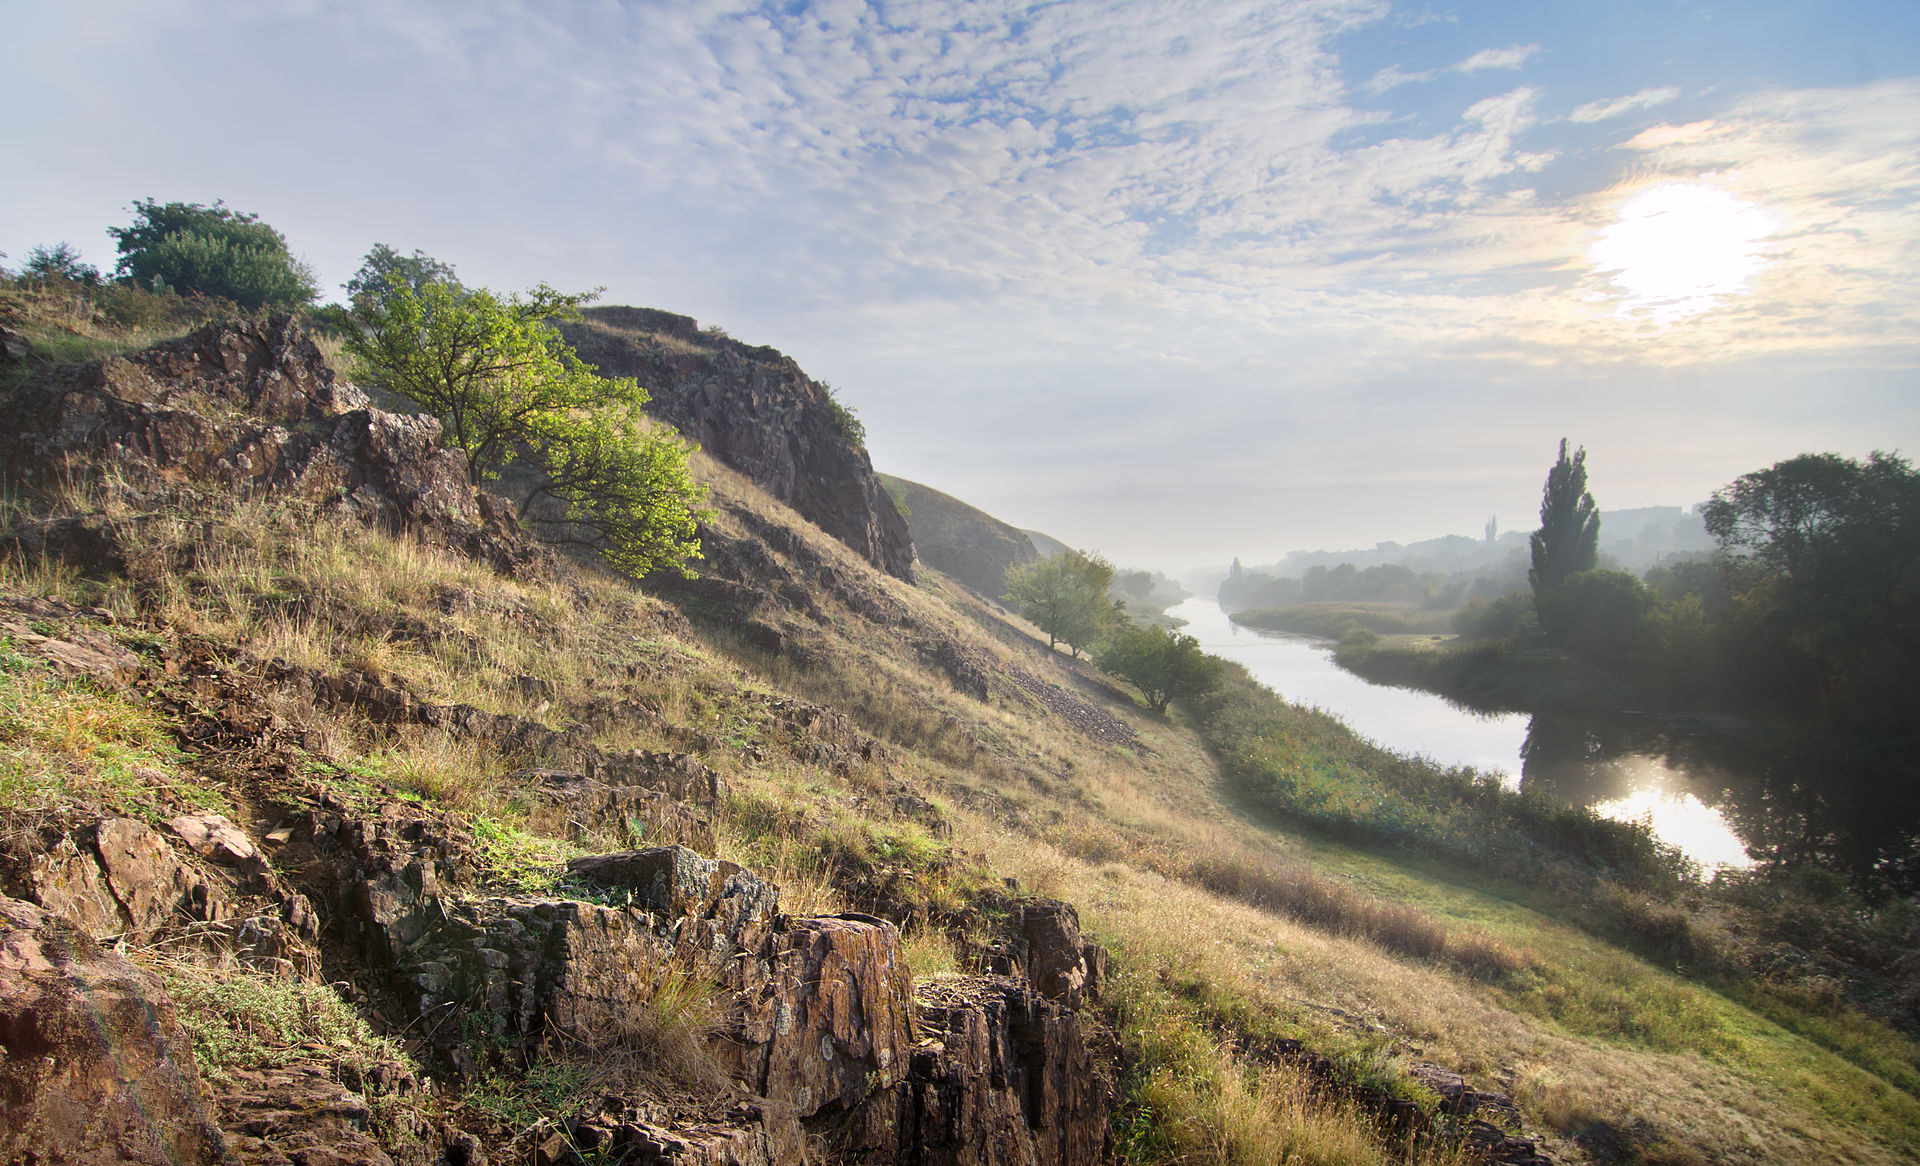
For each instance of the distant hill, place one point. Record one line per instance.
(965, 543)
(1045, 544)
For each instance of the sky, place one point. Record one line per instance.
(1178, 281)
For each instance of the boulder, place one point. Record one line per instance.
(14, 347)
(81, 652)
(295, 1116)
(212, 836)
(96, 1067)
(676, 882)
(1061, 964)
(128, 881)
(828, 1023)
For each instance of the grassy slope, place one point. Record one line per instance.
(1592, 1041)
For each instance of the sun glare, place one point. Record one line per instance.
(1679, 249)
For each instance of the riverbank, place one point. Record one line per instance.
(1496, 677)
(1334, 621)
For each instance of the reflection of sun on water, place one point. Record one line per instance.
(1680, 248)
(1682, 820)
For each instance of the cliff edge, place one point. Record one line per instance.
(752, 408)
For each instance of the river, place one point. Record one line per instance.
(1625, 768)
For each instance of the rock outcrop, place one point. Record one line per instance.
(250, 409)
(817, 1030)
(753, 409)
(967, 544)
(94, 1067)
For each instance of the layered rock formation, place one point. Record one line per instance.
(250, 408)
(806, 1031)
(757, 412)
(970, 545)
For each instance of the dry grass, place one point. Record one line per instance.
(64, 746)
(930, 955)
(1224, 931)
(1743, 1099)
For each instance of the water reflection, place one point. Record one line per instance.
(1848, 800)
(1627, 768)
(1633, 769)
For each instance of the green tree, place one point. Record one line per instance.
(61, 261)
(382, 262)
(626, 489)
(504, 383)
(1822, 553)
(213, 251)
(1165, 666)
(494, 370)
(1568, 540)
(1065, 596)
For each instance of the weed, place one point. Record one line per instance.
(63, 743)
(243, 1019)
(518, 859)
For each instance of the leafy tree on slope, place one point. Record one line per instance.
(1065, 596)
(504, 383)
(1165, 666)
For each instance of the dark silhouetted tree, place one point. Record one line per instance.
(1823, 555)
(1568, 540)
(61, 261)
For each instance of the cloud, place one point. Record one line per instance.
(1507, 58)
(990, 222)
(1513, 57)
(1594, 111)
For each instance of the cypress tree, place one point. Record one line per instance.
(1568, 541)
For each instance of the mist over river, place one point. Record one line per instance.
(1624, 767)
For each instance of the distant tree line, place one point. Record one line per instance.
(1812, 602)
(1346, 583)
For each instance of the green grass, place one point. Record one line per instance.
(243, 1019)
(519, 859)
(63, 743)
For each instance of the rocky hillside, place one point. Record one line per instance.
(967, 544)
(755, 411)
(339, 823)
(155, 916)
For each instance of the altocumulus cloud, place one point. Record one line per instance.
(994, 223)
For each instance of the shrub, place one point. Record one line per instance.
(1505, 618)
(213, 251)
(1602, 616)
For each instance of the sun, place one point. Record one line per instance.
(1679, 249)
